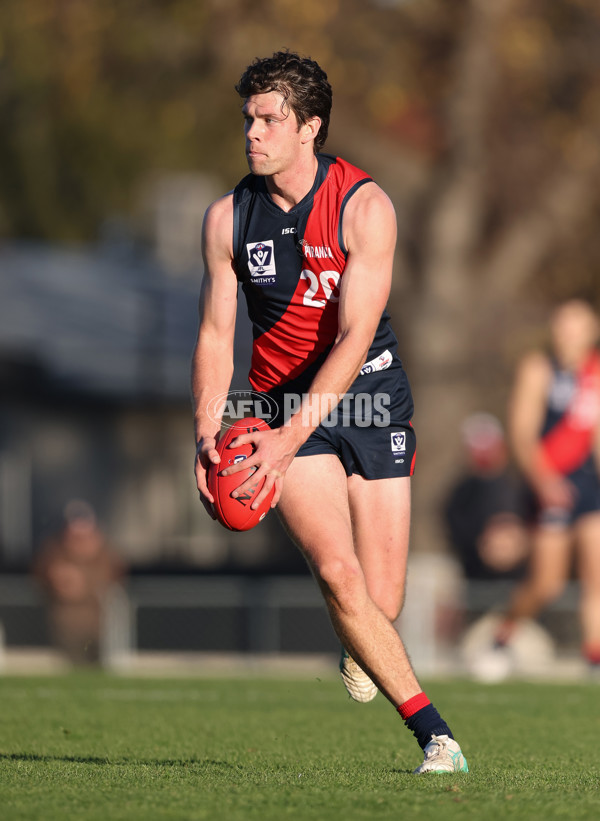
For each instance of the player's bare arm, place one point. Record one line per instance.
(212, 362)
(597, 446)
(370, 237)
(526, 417)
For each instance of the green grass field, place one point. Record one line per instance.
(93, 746)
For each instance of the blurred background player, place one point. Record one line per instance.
(75, 569)
(486, 509)
(555, 431)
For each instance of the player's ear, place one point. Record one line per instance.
(310, 129)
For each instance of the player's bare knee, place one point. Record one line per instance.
(547, 591)
(341, 581)
(388, 605)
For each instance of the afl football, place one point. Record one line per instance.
(237, 513)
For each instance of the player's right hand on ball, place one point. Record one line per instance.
(206, 453)
(556, 491)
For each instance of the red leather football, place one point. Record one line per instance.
(236, 514)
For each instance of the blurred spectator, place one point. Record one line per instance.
(555, 432)
(485, 512)
(76, 567)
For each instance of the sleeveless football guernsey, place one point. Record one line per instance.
(290, 264)
(573, 411)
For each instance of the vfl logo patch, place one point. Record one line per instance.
(241, 457)
(398, 443)
(261, 262)
(380, 363)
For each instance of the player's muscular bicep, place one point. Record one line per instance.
(218, 296)
(529, 396)
(527, 410)
(370, 235)
(217, 231)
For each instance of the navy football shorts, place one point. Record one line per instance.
(587, 498)
(369, 430)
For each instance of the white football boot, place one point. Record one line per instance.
(443, 755)
(357, 682)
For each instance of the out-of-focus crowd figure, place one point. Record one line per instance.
(528, 507)
(75, 568)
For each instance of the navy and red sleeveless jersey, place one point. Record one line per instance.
(290, 264)
(572, 416)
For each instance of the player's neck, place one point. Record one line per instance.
(573, 360)
(289, 187)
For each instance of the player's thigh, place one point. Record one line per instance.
(551, 551)
(380, 510)
(314, 510)
(587, 534)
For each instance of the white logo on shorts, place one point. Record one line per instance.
(380, 363)
(398, 442)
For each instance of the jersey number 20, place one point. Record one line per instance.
(328, 280)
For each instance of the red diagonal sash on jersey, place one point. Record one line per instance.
(310, 323)
(569, 443)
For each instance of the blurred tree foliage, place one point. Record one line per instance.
(97, 94)
(94, 94)
(481, 118)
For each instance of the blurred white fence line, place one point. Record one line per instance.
(269, 615)
(262, 601)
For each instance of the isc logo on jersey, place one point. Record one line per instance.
(261, 262)
(398, 443)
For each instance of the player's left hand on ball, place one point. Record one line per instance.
(206, 454)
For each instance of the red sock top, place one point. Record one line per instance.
(413, 705)
(591, 653)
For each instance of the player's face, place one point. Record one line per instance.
(574, 331)
(273, 138)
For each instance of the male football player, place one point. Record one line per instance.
(311, 240)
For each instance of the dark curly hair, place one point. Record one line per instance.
(300, 80)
